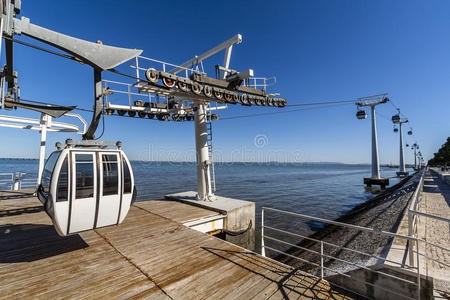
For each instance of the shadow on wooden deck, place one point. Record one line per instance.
(30, 242)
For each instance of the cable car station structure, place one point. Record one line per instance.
(153, 89)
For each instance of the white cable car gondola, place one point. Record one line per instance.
(361, 115)
(396, 119)
(86, 186)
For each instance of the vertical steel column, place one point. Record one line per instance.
(402, 160)
(321, 259)
(1, 29)
(44, 123)
(226, 60)
(263, 249)
(411, 234)
(375, 162)
(98, 106)
(16, 184)
(415, 158)
(202, 155)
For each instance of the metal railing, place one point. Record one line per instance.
(323, 255)
(16, 181)
(6, 181)
(413, 219)
(260, 82)
(128, 93)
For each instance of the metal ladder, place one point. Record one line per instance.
(210, 148)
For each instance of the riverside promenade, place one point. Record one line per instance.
(436, 201)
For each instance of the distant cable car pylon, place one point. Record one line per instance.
(371, 102)
(399, 121)
(415, 147)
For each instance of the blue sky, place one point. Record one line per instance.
(318, 50)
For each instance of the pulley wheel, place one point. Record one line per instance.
(235, 97)
(174, 117)
(131, 113)
(207, 90)
(183, 86)
(269, 101)
(263, 101)
(150, 116)
(142, 114)
(160, 117)
(121, 112)
(109, 111)
(218, 95)
(167, 117)
(251, 100)
(196, 88)
(227, 97)
(169, 82)
(243, 99)
(139, 103)
(152, 75)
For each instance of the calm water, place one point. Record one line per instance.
(324, 190)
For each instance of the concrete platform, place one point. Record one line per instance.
(200, 219)
(239, 214)
(382, 182)
(402, 174)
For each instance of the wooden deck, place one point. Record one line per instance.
(150, 255)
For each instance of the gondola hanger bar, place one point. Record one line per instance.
(92, 143)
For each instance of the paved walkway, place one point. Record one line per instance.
(435, 201)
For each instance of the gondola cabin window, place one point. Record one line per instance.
(63, 182)
(84, 166)
(48, 171)
(110, 174)
(127, 178)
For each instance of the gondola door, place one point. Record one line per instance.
(84, 190)
(109, 189)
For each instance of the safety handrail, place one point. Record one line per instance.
(411, 239)
(17, 181)
(413, 216)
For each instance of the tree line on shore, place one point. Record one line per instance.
(442, 157)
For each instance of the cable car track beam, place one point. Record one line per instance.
(237, 39)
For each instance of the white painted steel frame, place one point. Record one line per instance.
(44, 124)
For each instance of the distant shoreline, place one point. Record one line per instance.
(226, 162)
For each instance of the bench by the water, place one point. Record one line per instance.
(150, 255)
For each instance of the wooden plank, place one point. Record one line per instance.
(150, 255)
(175, 210)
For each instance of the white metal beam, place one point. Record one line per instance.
(234, 40)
